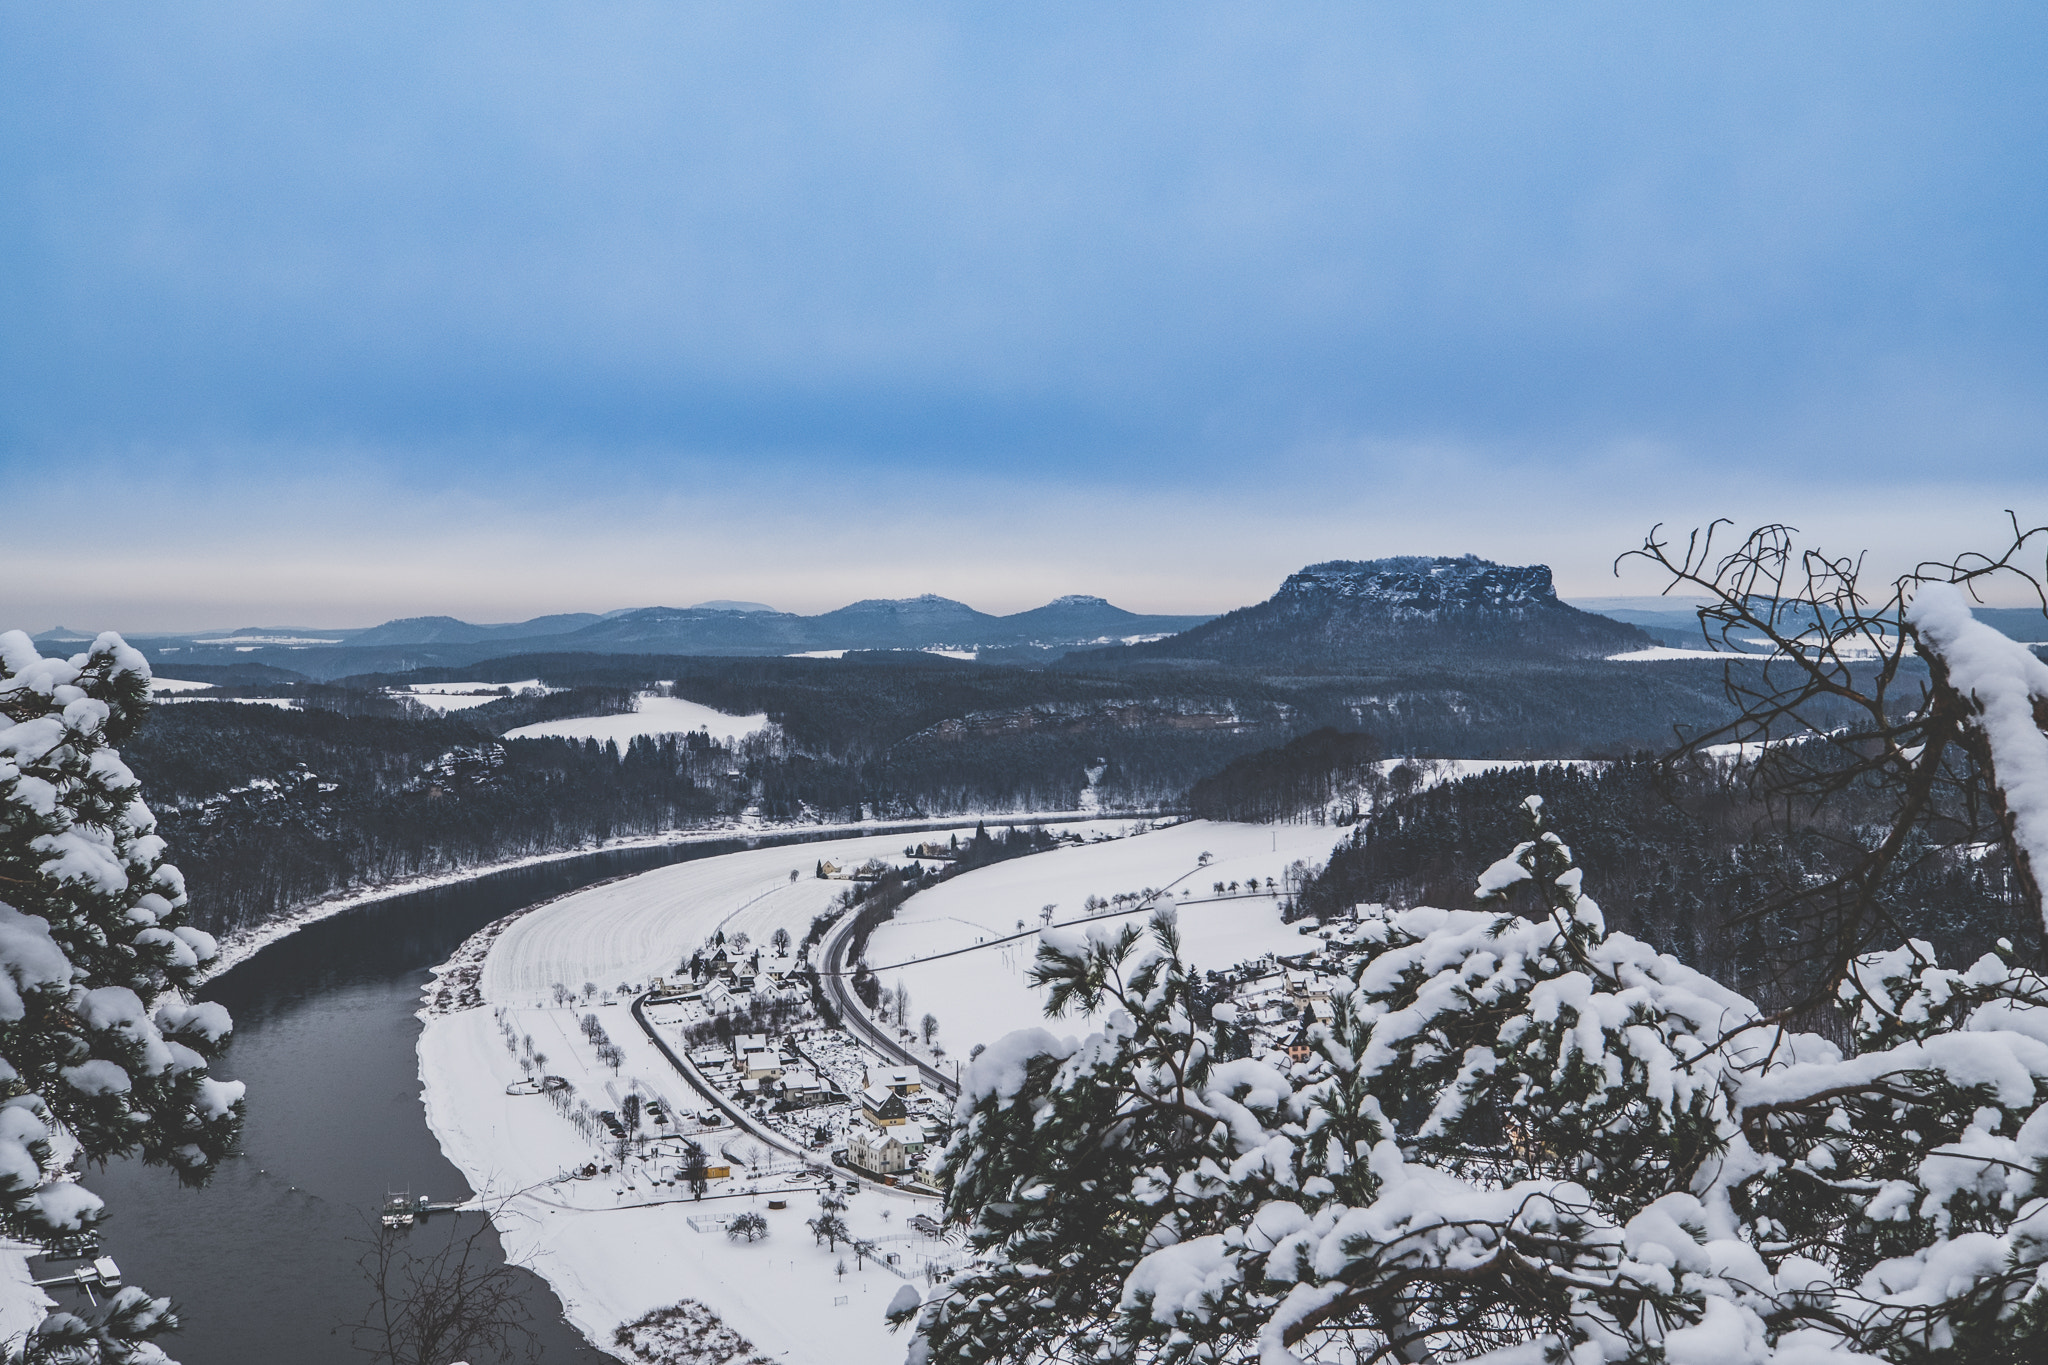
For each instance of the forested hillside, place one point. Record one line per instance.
(1681, 857)
(1303, 778)
(269, 808)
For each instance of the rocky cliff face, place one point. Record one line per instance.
(1413, 587)
(1370, 615)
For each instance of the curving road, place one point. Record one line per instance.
(837, 980)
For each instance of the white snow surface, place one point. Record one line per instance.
(648, 925)
(1662, 653)
(611, 1257)
(1433, 772)
(241, 946)
(981, 995)
(655, 716)
(160, 686)
(457, 689)
(444, 703)
(462, 696)
(288, 703)
(608, 1254)
(251, 641)
(22, 1305)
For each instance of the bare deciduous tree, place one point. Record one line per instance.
(456, 1301)
(1833, 697)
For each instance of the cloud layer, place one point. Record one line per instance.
(986, 294)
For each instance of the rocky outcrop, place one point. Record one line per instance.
(1367, 615)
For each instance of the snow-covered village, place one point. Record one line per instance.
(775, 684)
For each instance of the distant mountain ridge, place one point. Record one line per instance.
(436, 630)
(709, 628)
(1346, 615)
(924, 622)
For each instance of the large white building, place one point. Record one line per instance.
(886, 1151)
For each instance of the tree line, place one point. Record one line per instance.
(1676, 855)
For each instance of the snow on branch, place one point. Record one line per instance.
(2008, 689)
(1519, 1137)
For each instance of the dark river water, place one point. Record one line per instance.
(263, 1262)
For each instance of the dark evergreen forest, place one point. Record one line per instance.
(1305, 776)
(1678, 856)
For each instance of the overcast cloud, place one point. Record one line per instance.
(337, 312)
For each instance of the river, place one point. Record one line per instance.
(263, 1262)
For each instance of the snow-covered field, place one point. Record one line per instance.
(288, 703)
(1851, 647)
(615, 1250)
(437, 701)
(461, 696)
(656, 716)
(1432, 771)
(609, 1253)
(457, 689)
(979, 996)
(159, 687)
(1664, 653)
(648, 925)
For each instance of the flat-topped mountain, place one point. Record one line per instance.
(1364, 614)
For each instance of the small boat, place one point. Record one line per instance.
(401, 1209)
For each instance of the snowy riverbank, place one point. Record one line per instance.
(615, 1248)
(240, 946)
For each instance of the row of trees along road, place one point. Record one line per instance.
(1525, 1136)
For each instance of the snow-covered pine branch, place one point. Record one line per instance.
(2006, 689)
(101, 1054)
(1521, 1138)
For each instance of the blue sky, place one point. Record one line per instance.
(328, 313)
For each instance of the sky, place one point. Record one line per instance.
(322, 313)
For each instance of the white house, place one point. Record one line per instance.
(885, 1151)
